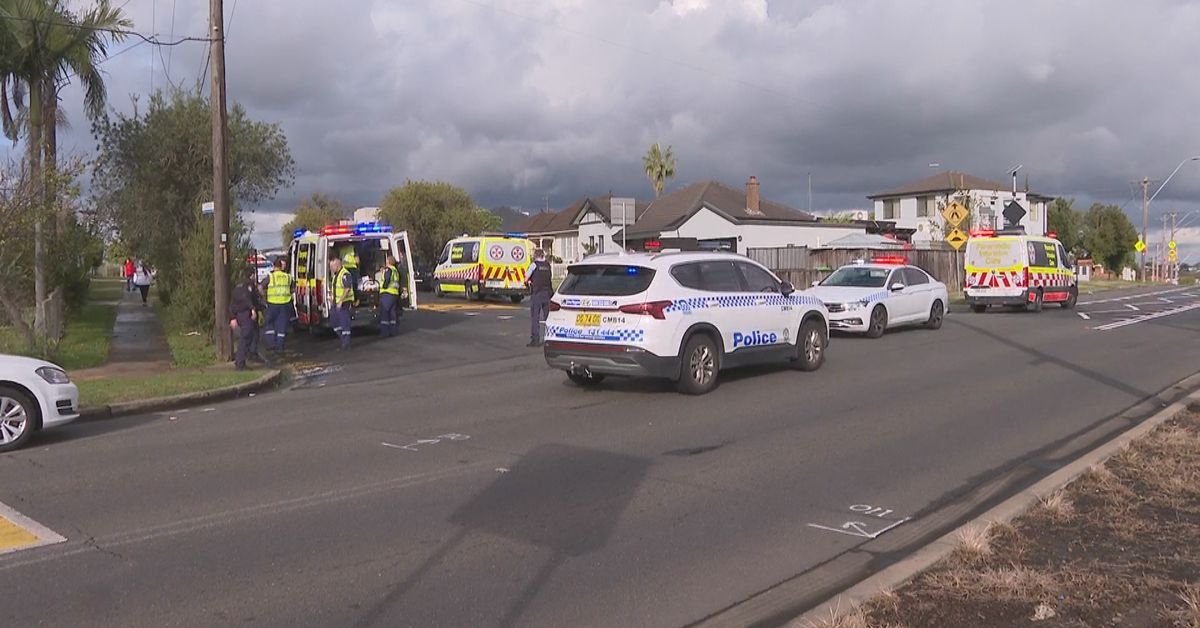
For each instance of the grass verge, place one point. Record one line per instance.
(109, 390)
(1119, 546)
(106, 290)
(190, 348)
(85, 341)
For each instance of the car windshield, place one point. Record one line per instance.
(857, 277)
(609, 281)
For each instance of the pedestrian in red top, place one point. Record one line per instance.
(129, 270)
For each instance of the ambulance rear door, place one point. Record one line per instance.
(403, 251)
(995, 266)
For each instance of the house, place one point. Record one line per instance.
(720, 217)
(918, 205)
(583, 227)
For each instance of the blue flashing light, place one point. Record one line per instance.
(632, 270)
(371, 227)
(515, 234)
(297, 233)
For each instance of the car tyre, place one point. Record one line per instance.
(1072, 298)
(699, 367)
(811, 343)
(437, 289)
(472, 295)
(516, 298)
(586, 381)
(979, 309)
(878, 322)
(18, 416)
(1036, 304)
(937, 313)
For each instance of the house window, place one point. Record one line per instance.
(926, 206)
(890, 209)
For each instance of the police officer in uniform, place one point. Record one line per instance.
(391, 286)
(278, 288)
(243, 309)
(343, 301)
(540, 289)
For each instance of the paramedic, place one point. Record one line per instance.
(343, 300)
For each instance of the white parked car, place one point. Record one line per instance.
(872, 297)
(34, 395)
(679, 316)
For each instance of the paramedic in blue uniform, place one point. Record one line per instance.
(343, 300)
(278, 288)
(540, 290)
(391, 287)
(244, 304)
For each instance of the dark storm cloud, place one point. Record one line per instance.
(523, 100)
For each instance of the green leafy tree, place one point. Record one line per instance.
(1065, 222)
(433, 212)
(313, 213)
(154, 170)
(42, 44)
(659, 166)
(1109, 236)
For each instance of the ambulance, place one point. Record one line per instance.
(1010, 268)
(371, 242)
(484, 266)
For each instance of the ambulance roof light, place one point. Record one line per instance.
(1052, 235)
(299, 232)
(982, 233)
(515, 234)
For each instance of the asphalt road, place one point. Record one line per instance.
(448, 478)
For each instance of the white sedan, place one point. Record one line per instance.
(872, 297)
(34, 395)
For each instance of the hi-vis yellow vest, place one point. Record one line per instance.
(279, 288)
(342, 294)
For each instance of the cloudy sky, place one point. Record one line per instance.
(529, 102)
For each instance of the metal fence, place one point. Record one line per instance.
(802, 266)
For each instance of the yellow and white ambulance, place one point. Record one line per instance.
(484, 266)
(371, 243)
(1010, 268)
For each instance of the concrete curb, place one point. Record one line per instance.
(178, 401)
(896, 575)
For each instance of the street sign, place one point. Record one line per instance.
(956, 238)
(954, 214)
(1171, 245)
(207, 208)
(1013, 213)
(1140, 246)
(1172, 255)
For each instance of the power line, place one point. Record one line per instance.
(149, 39)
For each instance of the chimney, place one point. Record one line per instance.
(752, 195)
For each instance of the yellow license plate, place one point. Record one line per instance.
(587, 320)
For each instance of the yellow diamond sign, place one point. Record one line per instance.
(1140, 246)
(956, 238)
(1171, 245)
(1172, 255)
(954, 214)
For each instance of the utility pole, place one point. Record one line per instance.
(221, 336)
(810, 193)
(1145, 224)
(1175, 264)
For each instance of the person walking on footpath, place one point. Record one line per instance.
(278, 288)
(243, 311)
(142, 278)
(540, 289)
(343, 301)
(128, 269)
(389, 297)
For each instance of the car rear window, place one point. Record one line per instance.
(605, 280)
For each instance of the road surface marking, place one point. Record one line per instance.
(1133, 307)
(427, 441)
(1084, 316)
(1146, 317)
(505, 318)
(18, 532)
(1135, 296)
(874, 515)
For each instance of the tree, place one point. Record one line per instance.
(1064, 221)
(433, 212)
(659, 166)
(42, 43)
(1109, 236)
(154, 170)
(313, 213)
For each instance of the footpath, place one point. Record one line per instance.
(140, 375)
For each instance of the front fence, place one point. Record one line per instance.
(801, 266)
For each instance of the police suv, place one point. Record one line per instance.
(887, 292)
(680, 316)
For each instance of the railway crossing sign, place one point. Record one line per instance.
(955, 214)
(956, 238)
(1139, 246)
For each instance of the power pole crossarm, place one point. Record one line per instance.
(221, 336)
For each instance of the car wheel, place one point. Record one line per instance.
(437, 289)
(585, 380)
(810, 348)
(1072, 298)
(878, 322)
(18, 414)
(979, 309)
(936, 314)
(698, 371)
(1036, 304)
(516, 298)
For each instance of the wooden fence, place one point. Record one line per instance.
(802, 266)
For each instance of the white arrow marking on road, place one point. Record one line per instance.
(1084, 316)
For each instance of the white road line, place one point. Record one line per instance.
(1136, 296)
(45, 535)
(1133, 307)
(1147, 317)
(1084, 316)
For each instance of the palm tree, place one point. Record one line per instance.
(660, 167)
(42, 42)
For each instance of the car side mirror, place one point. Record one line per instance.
(897, 287)
(816, 283)
(786, 288)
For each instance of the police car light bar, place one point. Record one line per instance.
(358, 229)
(889, 259)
